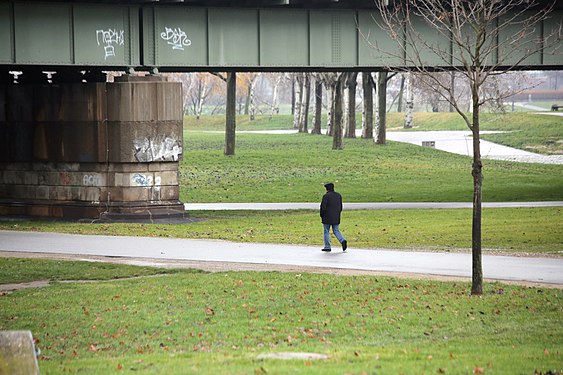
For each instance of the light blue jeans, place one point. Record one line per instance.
(335, 230)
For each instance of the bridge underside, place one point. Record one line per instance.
(131, 34)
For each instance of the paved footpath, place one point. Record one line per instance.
(361, 205)
(160, 251)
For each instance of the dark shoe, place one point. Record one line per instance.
(344, 245)
(325, 249)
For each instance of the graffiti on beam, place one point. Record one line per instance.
(142, 180)
(109, 39)
(65, 178)
(145, 181)
(176, 38)
(92, 180)
(159, 148)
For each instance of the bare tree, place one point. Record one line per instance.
(305, 102)
(230, 112)
(409, 102)
(329, 81)
(318, 104)
(401, 94)
(350, 86)
(381, 128)
(335, 86)
(330, 86)
(230, 122)
(367, 111)
(337, 109)
(276, 81)
(299, 82)
(203, 88)
(478, 39)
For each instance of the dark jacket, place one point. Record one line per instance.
(331, 207)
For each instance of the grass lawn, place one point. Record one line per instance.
(218, 323)
(25, 270)
(293, 168)
(152, 321)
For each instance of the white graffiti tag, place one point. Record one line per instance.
(159, 148)
(176, 38)
(109, 38)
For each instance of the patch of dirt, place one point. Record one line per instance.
(208, 266)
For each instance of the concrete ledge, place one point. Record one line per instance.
(115, 211)
(17, 353)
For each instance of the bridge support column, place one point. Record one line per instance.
(91, 150)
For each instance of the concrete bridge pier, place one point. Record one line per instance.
(91, 150)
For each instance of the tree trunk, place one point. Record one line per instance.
(230, 124)
(330, 106)
(200, 99)
(247, 101)
(401, 91)
(252, 96)
(298, 85)
(304, 122)
(337, 125)
(382, 110)
(274, 108)
(318, 107)
(351, 120)
(410, 104)
(452, 91)
(477, 172)
(292, 93)
(367, 118)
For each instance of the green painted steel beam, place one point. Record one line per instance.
(60, 34)
(181, 37)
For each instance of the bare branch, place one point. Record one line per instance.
(219, 75)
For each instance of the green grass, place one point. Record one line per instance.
(526, 230)
(217, 123)
(219, 323)
(293, 168)
(16, 270)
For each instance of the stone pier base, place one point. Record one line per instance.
(96, 151)
(90, 190)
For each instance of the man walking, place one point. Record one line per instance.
(331, 207)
